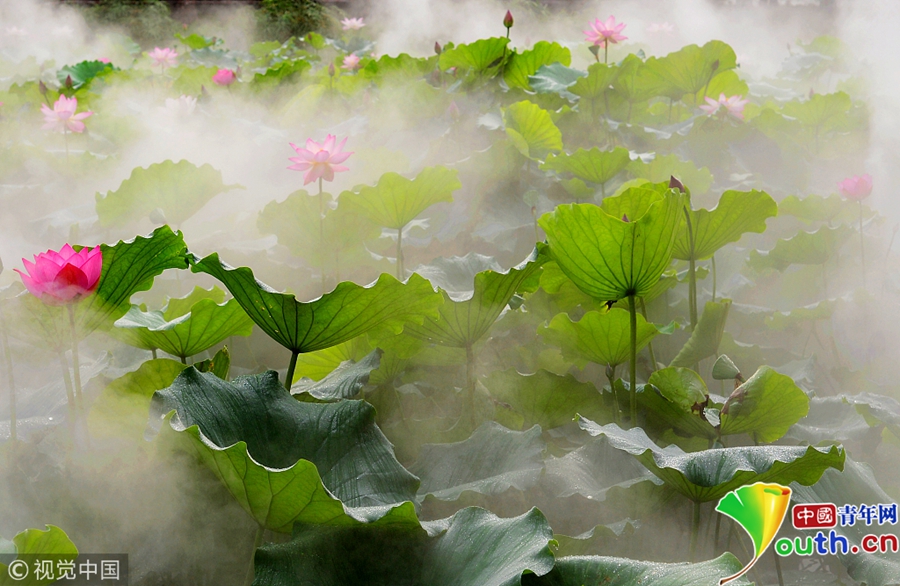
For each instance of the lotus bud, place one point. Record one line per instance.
(595, 49)
(508, 20)
(69, 82)
(437, 48)
(42, 87)
(331, 69)
(676, 184)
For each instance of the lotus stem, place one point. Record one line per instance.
(76, 363)
(695, 530)
(714, 277)
(611, 377)
(692, 273)
(862, 249)
(7, 353)
(606, 53)
(716, 535)
(470, 383)
(289, 377)
(633, 312)
(257, 541)
(183, 359)
(153, 353)
(400, 253)
(649, 344)
(322, 234)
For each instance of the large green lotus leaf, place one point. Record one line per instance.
(465, 318)
(736, 213)
(403, 68)
(804, 248)
(474, 547)
(178, 306)
(82, 73)
(727, 82)
(609, 258)
(662, 167)
(531, 129)
(319, 364)
(596, 539)
(544, 398)
(765, 406)
(491, 461)
(524, 64)
(706, 337)
(395, 201)
(681, 386)
(709, 475)
(820, 109)
(343, 314)
(690, 69)
(344, 382)
(121, 408)
(609, 571)
(856, 485)
(635, 201)
(52, 544)
(782, 320)
(128, 267)
(816, 208)
(600, 337)
(274, 445)
(666, 404)
(178, 189)
(478, 56)
(599, 80)
(593, 165)
(877, 408)
(279, 73)
(555, 78)
(635, 82)
(207, 324)
(834, 419)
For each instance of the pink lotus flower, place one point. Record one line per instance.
(104, 60)
(320, 160)
(352, 24)
(602, 33)
(163, 57)
(856, 188)
(62, 116)
(733, 105)
(58, 278)
(224, 77)
(351, 61)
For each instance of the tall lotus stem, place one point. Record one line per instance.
(633, 313)
(470, 383)
(862, 251)
(12, 381)
(400, 253)
(692, 273)
(76, 367)
(322, 234)
(649, 344)
(695, 530)
(606, 53)
(257, 541)
(289, 377)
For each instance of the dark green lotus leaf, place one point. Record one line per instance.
(608, 571)
(343, 314)
(528, 62)
(492, 460)
(121, 409)
(555, 78)
(269, 449)
(707, 336)
(782, 320)
(544, 398)
(681, 386)
(804, 248)
(609, 258)
(82, 73)
(593, 165)
(737, 213)
(765, 406)
(600, 337)
(395, 201)
(206, 325)
(478, 56)
(472, 547)
(52, 544)
(709, 475)
(856, 485)
(666, 407)
(344, 382)
(690, 69)
(598, 538)
(531, 129)
(178, 189)
(128, 267)
(465, 317)
(662, 167)
(593, 471)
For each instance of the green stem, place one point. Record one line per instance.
(611, 377)
(695, 530)
(322, 234)
(400, 253)
(692, 273)
(12, 382)
(716, 535)
(649, 344)
(633, 313)
(470, 383)
(606, 52)
(714, 277)
(862, 251)
(289, 377)
(257, 541)
(183, 359)
(153, 353)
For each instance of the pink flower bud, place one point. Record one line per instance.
(508, 20)
(224, 77)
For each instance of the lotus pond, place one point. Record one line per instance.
(521, 311)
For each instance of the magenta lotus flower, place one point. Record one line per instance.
(163, 57)
(351, 61)
(352, 24)
(63, 117)
(602, 32)
(224, 77)
(320, 160)
(856, 188)
(733, 105)
(58, 278)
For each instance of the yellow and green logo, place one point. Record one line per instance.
(760, 509)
